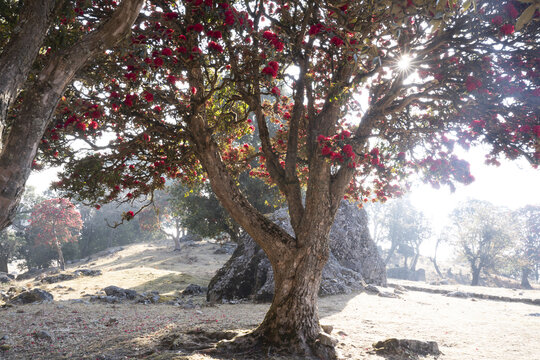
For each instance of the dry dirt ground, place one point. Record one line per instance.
(463, 328)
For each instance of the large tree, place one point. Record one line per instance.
(364, 93)
(42, 45)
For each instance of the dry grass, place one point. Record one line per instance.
(463, 328)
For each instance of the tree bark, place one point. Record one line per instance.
(525, 271)
(475, 276)
(20, 52)
(177, 245)
(41, 99)
(61, 261)
(292, 323)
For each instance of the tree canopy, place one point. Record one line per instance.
(363, 93)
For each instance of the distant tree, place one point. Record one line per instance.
(484, 236)
(377, 213)
(528, 246)
(406, 229)
(54, 222)
(201, 212)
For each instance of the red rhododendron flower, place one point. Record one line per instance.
(274, 40)
(81, 126)
(148, 96)
(172, 79)
(94, 125)
(196, 28)
(271, 69)
(229, 18)
(507, 29)
(336, 41)
(315, 29)
(214, 34)
(326, 150)
(158, 62)
(193, 90)
(170, 15)
(348, 150)
(167, 51)
(275, 90)
(131, 76)
(98, 207)
(215, 46)
(130, 98)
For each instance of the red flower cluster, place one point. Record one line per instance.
(167, 51)
(315, 29)
(274, 40)
(214, 34)
(196, 28)
(229, 18)
(271, 69)
(170, 16)
(348, 150)
(275, 90)
(507, 29)
(148, 96)
(336, 41)
(215, 46)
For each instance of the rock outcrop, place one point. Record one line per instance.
(354, 261)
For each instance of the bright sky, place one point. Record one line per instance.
(513, 184)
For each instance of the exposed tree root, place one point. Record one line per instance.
(253, 343)
(224, 344)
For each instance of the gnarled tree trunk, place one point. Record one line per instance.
(475, 275)
(292, 323)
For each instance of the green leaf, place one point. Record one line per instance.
(525, 17)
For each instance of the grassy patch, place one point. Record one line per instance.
(171, 283)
